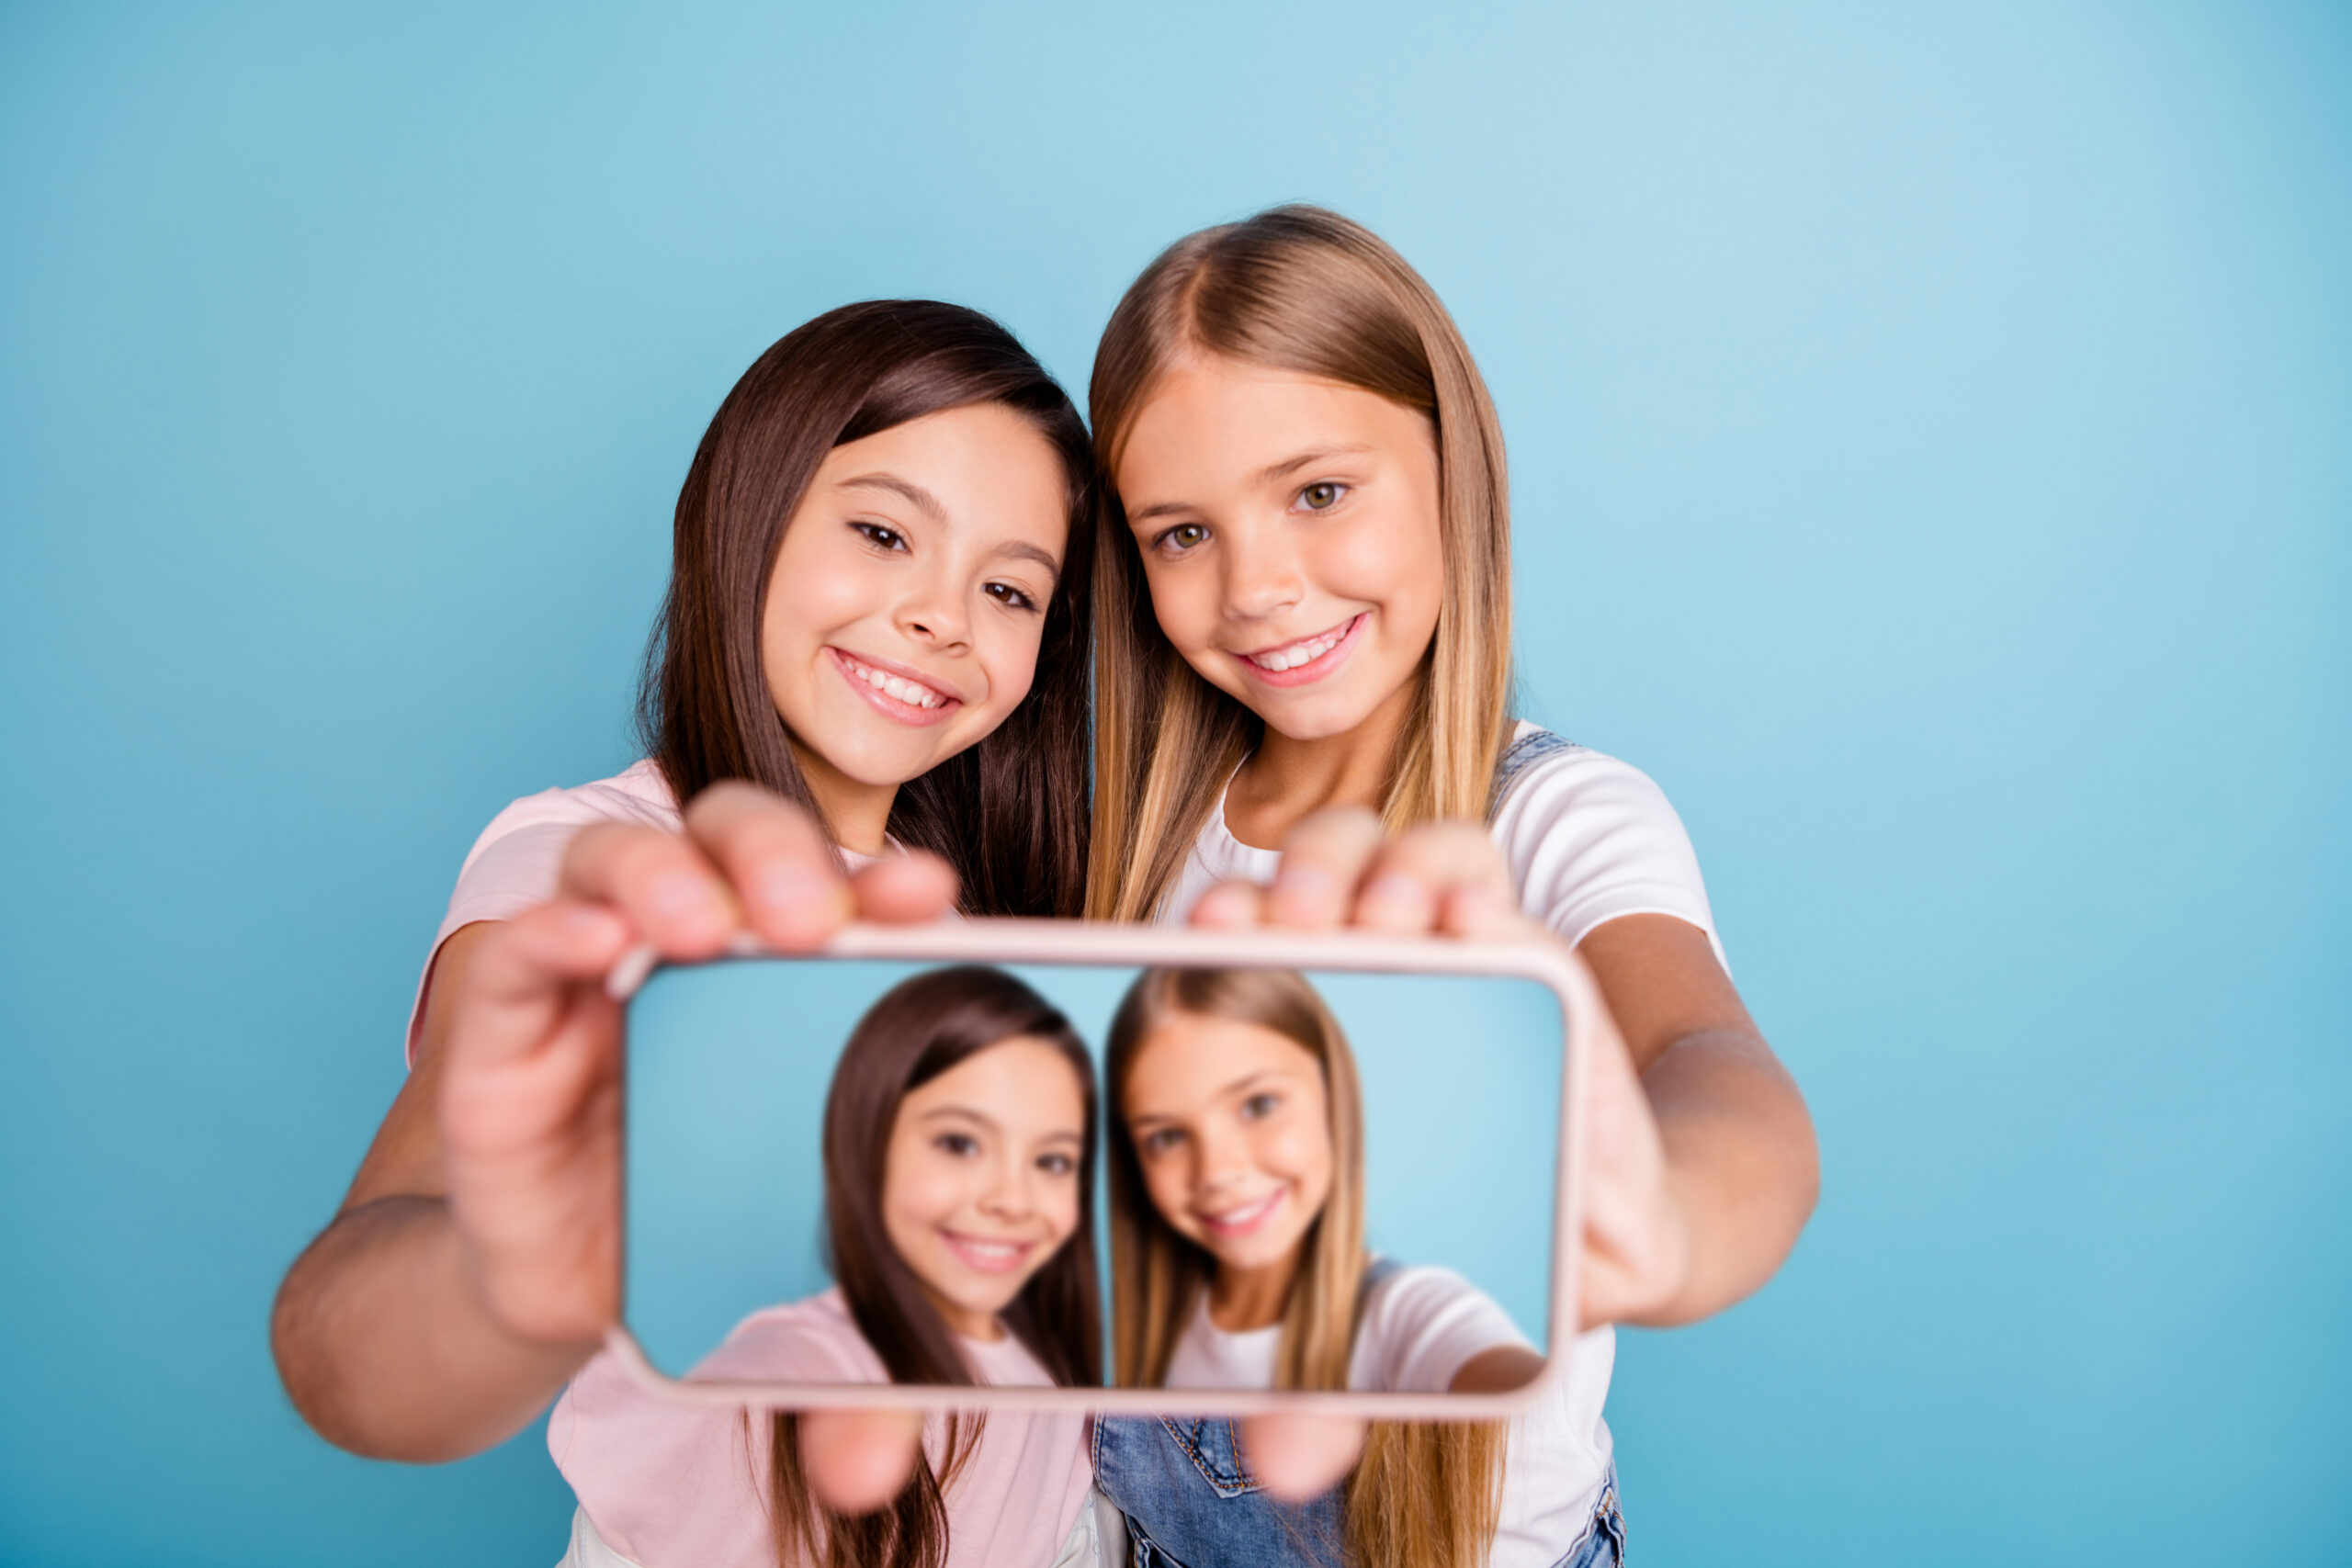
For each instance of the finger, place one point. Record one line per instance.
(661, 883)
(1299, 1457)
(857, 1460)
(1481, 915)
(1415, 877)
(525, 974)
(1323, 858)
(775, 859)
(905, 889)
(1230, 906)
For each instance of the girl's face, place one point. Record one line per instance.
(908, 594)
(1232, 1123)
(979, 1181)
(1289, 528)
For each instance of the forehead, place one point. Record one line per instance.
(1023, 1083)
(1210, 420)
(989, 468)
(1186, 1058)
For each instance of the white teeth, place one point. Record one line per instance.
(1299, 653)
(907, 692)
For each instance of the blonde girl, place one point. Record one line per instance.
(1235, 1154)
(1303, 678)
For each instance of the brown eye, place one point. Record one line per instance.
(1181, 537)
(1320, 496)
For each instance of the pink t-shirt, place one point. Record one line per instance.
(674, 1485)
(515, 863)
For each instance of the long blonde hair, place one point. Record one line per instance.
(1425, 1495)
(1296, 289)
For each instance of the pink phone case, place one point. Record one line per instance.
(1101, 942)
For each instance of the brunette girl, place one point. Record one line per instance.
(1302, 691)
(1237, 1260)
(875, 639)
(958, 1143)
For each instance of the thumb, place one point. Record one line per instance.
(856, 1461)
(1299, 1457)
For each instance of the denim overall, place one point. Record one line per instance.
(1192, 1503)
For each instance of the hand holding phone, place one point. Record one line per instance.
(530, 1094)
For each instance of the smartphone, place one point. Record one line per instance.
(1111, 1168)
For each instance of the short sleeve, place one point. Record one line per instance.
(515, 863)
(662, 1480)
(665, 1481)
(1589, 839)
(1420, 1325)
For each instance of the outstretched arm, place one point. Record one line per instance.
(1702, 1163)
(475, 1262)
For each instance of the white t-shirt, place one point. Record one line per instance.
(1587, 838)
(1419, 1327)
(665, 1484)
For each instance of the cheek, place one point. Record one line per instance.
(1397, 558)
(1011, 660)
(1168, 1185)
(1060, 1209)
(809, 597)
(918, 1194)
(1184, 602)
(1301, 1152)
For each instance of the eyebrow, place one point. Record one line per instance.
(912, 494)
(1223, 1091)
(966, 1111)
(990, 1122)
(1265, 475)
(927, 503)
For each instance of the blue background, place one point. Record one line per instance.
(729, 1066)
(1931, 464)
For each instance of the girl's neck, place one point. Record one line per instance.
(986, 1328)
(1286, 779)
(1242, 1300)
(858, 814)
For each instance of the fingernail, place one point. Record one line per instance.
(1397, 889)
(790, 886)
(1303, 880)
(681, 894)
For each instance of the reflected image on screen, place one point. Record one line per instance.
(1337, 1181)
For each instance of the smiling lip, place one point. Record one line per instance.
(909, 709)
(1329, 650)
(986, 1255)
(1244, 1219)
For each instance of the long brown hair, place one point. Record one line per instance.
(1424, 1496)
(1010, 813)
(920, 1028)
(1302, 290)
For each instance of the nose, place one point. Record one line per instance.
(1224, 1159)
(1262, 572)
(933, 613)
(1009, 1195)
